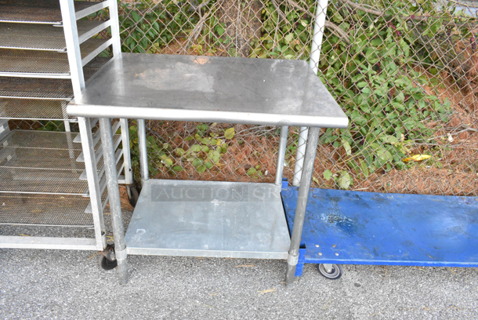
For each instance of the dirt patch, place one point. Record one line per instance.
(423, 180)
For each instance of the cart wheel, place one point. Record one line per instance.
(133, 195)
(333, 272)
(108, 260)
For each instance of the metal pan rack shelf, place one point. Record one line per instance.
(44, 210)
(46, 12)
(39, 139)
(44, 37)
(41, 163)
(44, 89)
(35, 89)
(32, 109)
(51, 180)
(41, 64)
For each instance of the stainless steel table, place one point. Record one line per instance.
(214, 219)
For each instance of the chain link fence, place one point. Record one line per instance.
(405, 72)
(46, 125)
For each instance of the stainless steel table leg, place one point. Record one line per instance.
(114, 198)
(284, 132)
(304, 187)
(143, 152)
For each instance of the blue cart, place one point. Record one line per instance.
(349, 227)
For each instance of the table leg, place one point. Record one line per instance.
(284, 132)
(143, 152)
(302, 198)
(114, 198)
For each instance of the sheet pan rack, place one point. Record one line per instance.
(53, 180)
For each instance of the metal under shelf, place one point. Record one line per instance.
(45, 12)
(41, 64)
(209, 219)
(33, 109)
(40, 37)
(44, 210)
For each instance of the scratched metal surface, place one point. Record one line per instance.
(209, 219)
(349, 227)
(192, 88)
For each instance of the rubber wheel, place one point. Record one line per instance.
(108, 264)
(133, 195)
(108, 261)
(333, 274)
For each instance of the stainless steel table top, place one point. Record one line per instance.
(199, 88)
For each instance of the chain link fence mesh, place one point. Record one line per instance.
(46, 125)
(405, 72)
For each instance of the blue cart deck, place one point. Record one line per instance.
(349, 227)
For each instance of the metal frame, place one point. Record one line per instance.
(143, 151)
(70, 30)
(93, 181)
(18, 242)
(112, 184)
(284, 133)
(97, 102)
(76, 75)
(306, 179)
(319, 28)
(114, 199)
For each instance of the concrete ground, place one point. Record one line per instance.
(43, 284)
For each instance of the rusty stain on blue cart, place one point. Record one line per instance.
(351, 227)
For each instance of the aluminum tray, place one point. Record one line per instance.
(32, 109)
(45, 14)
(44, 210)
(38, 181)
(40, 162)
(36, 139)
(20, 158)
(41, 89)
(45, 89)
(39, 37)
(41, 64)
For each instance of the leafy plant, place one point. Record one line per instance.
(374, 76)
(149, 25)
(204, 151)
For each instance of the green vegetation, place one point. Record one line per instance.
(203, 149)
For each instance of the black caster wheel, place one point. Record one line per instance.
(108, 260)
(332, 271)
(133, 195)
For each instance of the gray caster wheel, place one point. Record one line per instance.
(330, 271)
